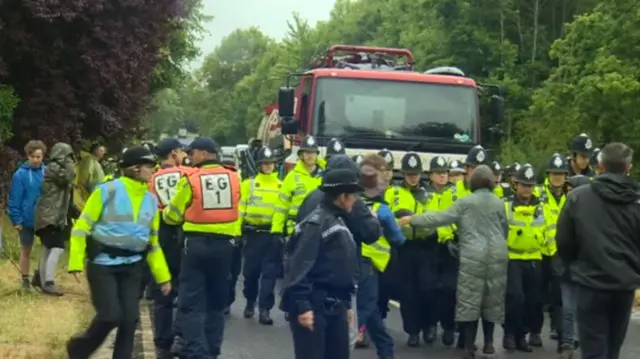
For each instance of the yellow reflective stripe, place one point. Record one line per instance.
(380, 247)
(175, 211)
(523, 251)
(284, 197)
(86, 217)
(80, 233)
(281, 210)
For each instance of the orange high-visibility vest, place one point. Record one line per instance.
(216, 195)
(164, 181)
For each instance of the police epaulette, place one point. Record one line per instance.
(313, 218)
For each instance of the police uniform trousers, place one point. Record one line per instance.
(523, 293)
(448, 267)
(236, 268)
(418, 300)
(368, 313)
(550, 297)
(329, 338)
(165, 328)
(203, 292)
(262, 264)
(114, 294)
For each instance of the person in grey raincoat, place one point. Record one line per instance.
(482, 278)
(53, 213)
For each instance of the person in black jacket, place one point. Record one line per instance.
(598, 238)
(321, 273)
(360, 221)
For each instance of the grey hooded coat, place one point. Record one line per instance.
(54, 201)
(482, 229)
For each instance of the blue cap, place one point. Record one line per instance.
(203, 144)
(167, 145)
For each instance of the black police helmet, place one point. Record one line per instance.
(581, 144)
(594, 157)
(557, 164)
(438, 164)
(335, 147)
(310, 144)
(526, 175)
(477, 156)
(456, 167)
(411, 163)
(358, 159)
(388, 157)
(515, 167)
(136, 156)
(495, 167)
(265, 155)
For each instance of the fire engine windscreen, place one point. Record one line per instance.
(395, 109)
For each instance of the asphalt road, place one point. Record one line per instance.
(246, 339)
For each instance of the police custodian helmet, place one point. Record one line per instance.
(526, 175)
(136, 156)
(557, 164)
(387, 156)
(335, 147)
(265, 155)
(438, 164)
(411, 163)
(581, 144)
(309, 144)
(477, 156)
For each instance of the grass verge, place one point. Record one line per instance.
(35, 326)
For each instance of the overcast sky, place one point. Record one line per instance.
(269, 15)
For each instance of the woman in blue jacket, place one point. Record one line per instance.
(25, 190)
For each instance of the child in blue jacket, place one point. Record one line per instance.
(25, 190)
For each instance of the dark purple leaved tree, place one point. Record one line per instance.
(81, 68)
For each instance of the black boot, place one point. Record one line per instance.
(509, 343)
(413, 341)
(535, 340)
(448, 337)
(35, 280)
(250, 310)
(265, 317)
(523, 346)
(429, 335)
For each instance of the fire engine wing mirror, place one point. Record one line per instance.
(496, 107)
(286, 103)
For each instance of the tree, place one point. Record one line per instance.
(566, 65)
(166, 115)
(81, 69)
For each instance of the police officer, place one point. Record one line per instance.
(262, 250)
(501, 189)
(511, 174)
(334, 147)
(595, 165)
(581, 149)
(525, 241)
(163, 184)
(206, 203)
(447, 265)
(357, 159)
(552, 195)
(317, 292)
(417, 256)
(118, 228)
(302, 180)
(456, 172)
(475, 157)
(387, 174)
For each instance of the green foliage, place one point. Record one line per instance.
(8, 102)
(567, 66)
